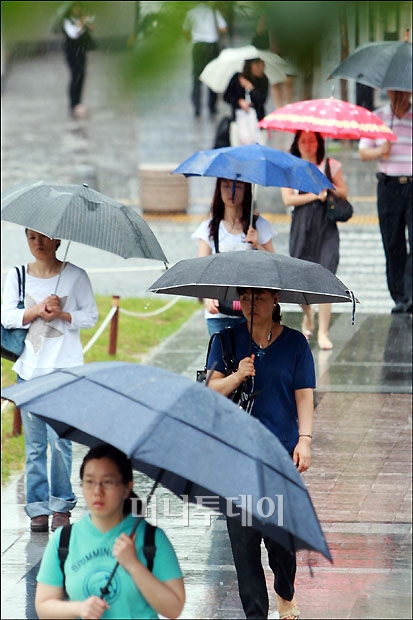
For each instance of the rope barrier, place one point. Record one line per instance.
(138, 315)
(101, 329)
(144, 315)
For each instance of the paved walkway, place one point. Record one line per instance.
(360, 484)
(360, 479)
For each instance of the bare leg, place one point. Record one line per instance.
(324, 315)
(276, 94)
(288, 87)
(307, 326)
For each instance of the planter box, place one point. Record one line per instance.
(160, 191)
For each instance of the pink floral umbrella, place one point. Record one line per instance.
(332, 118)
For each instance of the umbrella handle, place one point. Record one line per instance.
(105, 590)
(63, 265)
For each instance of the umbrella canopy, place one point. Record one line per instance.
(217, 276)
(217, 73)
(79, 213)
(255, 163)
(194, 441)
(386, 64)
(332, 118)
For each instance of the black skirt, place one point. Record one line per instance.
(313, 236)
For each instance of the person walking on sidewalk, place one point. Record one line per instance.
(97, 541)
(282, 366)
(53, 341)
(394, 195)
(228, 230)
(313, 237)
(247, 93)
(203, 25)
(77, 42)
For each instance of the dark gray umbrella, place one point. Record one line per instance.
(79, 213)
(192, 440)
(386, 64)
(217, 276)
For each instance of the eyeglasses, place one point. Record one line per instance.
(106, 485)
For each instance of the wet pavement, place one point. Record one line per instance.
(360, 478)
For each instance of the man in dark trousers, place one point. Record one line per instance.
(203, 24)
(394, 195)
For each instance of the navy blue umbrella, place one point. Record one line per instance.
(192, 440)
(257, 164)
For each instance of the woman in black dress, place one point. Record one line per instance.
(313, 236)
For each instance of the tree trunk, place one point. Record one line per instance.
(344, 45)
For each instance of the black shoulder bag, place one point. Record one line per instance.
(12, 340)
(241, 396)
(338, 209)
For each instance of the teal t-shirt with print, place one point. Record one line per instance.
(90, 562)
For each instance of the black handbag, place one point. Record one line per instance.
(337, 209)
(222, 133)
(12, 340)
(242, 395)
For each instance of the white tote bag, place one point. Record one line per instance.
(245, 130)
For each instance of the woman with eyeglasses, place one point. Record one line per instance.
(99, 540)
(228, 229)
(277, 364)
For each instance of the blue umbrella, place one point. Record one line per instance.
(192, 440)
(257, 164)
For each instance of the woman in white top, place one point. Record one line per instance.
(313, 236)
(228, 230)
(53, 323)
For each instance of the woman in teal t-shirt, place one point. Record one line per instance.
(97, 541)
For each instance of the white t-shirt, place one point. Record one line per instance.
(54, 344)
(230, 242)
(200, 21)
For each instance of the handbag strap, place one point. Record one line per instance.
(228, 360)
(216, 243)
(22, 282)
(327, 169)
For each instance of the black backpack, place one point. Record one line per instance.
(149, 547)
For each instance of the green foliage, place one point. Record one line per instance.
(136, 337)
(12, 448)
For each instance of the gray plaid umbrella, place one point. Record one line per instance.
(79, 213)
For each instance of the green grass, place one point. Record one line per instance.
(136, 337)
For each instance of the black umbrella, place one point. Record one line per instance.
(217, 276)
(79, 213)
(192, 440)
(386, 64)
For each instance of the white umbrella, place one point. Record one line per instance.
(219, 71)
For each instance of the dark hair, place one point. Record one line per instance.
(247, 68)
(122, 462)
(217, 209)
(276, 313)
(294, 150)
